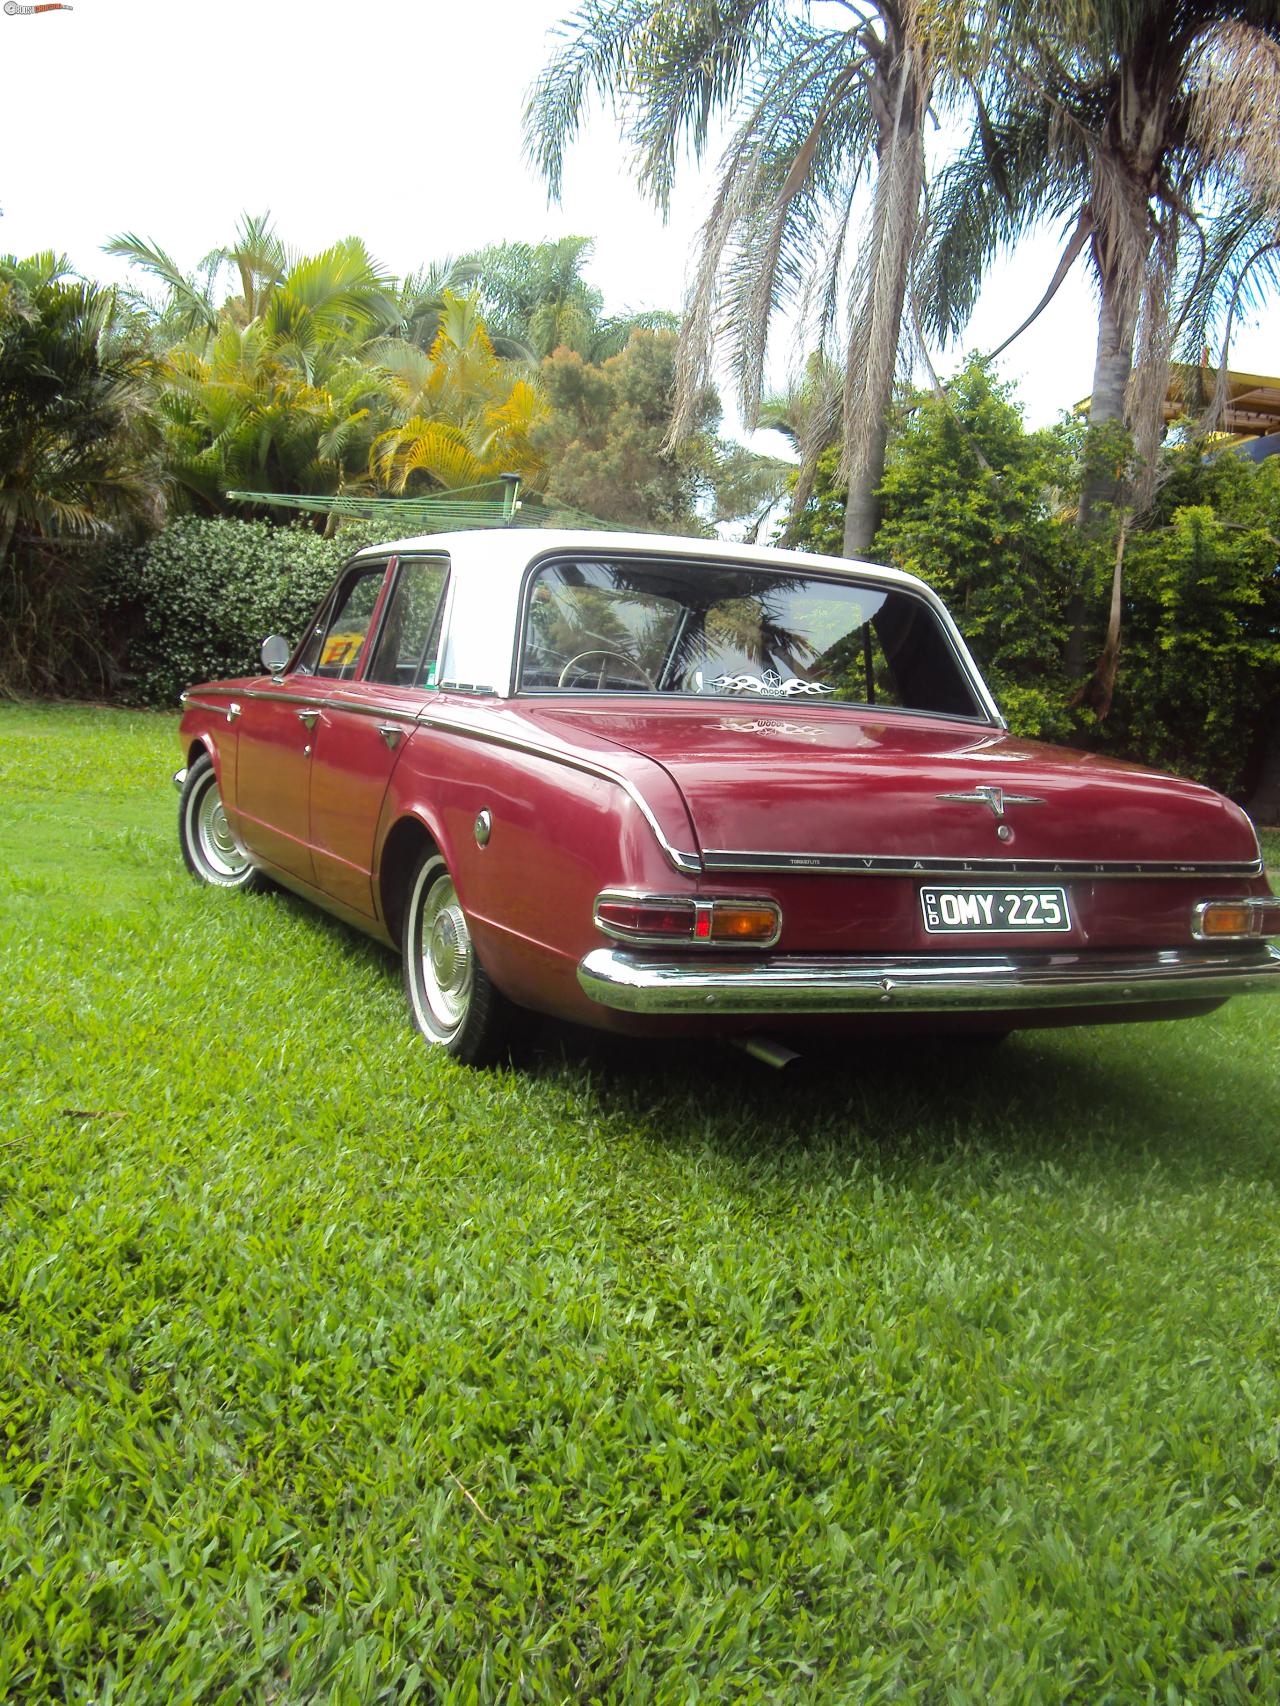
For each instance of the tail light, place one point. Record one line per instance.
(1230, 920)
(653, 920)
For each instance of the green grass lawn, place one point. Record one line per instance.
(332, 1371)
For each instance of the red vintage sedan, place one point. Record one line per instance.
(669, 785)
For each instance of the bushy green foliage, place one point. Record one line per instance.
(331, 1372)
(200, 597)
(1198, 687)
(970, 504)
(1199, 682)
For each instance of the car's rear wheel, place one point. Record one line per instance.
(211, 851)
(452, 998)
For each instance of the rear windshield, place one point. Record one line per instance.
(716, 630)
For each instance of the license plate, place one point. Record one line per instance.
(990, 910)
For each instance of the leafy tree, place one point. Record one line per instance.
(819, 111)
(976, 506)
(603, 440)
(971, 505)
(748, 487)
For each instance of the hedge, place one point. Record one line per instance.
(198, 599)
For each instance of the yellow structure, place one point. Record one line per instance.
(1252, 404)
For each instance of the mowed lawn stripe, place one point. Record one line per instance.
(333, 1371)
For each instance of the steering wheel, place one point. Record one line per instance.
(604, 654)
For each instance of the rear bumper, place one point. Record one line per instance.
(634, 982)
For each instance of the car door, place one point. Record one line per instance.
(364, 727)
(278, 724)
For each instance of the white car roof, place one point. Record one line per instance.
(480, 621)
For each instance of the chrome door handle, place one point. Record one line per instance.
(391, 734)
(308, 717)
(233, 711)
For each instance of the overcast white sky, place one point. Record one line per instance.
(394, 120)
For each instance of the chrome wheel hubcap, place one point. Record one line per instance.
(447, 960)
(218, 848)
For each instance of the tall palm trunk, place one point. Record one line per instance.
(900, 98)
(1101, 481)
(1112, 366)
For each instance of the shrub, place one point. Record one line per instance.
(1199, 682)
(201, 596)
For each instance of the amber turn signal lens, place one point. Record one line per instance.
(1226, 921)
(731, 922)
(1213, 920)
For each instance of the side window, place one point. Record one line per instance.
(348, 628)
(410, 624)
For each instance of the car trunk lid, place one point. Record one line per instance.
(772, 786)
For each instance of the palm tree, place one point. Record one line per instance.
(271, 389)
(1153, 128)
(463, 415)
(420, 298)
(255, 257)
(76, 447)
(819, 112)
(535, 300)
(260, 412)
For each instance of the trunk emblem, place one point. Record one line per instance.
(996, 798)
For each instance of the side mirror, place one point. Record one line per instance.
(276, 652)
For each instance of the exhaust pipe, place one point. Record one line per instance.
(771, 1052)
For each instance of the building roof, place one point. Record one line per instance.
(1252, 408)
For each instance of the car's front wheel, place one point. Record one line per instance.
(452, 998)
(212, 853)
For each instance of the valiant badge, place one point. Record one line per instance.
(996, 798)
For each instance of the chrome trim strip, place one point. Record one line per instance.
(1257, 906)
(288, 698)
(921, 983)
(230, 713)
(409, 718)
(698, 905)
(688, 863)
(326, 701)
(909, 865)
